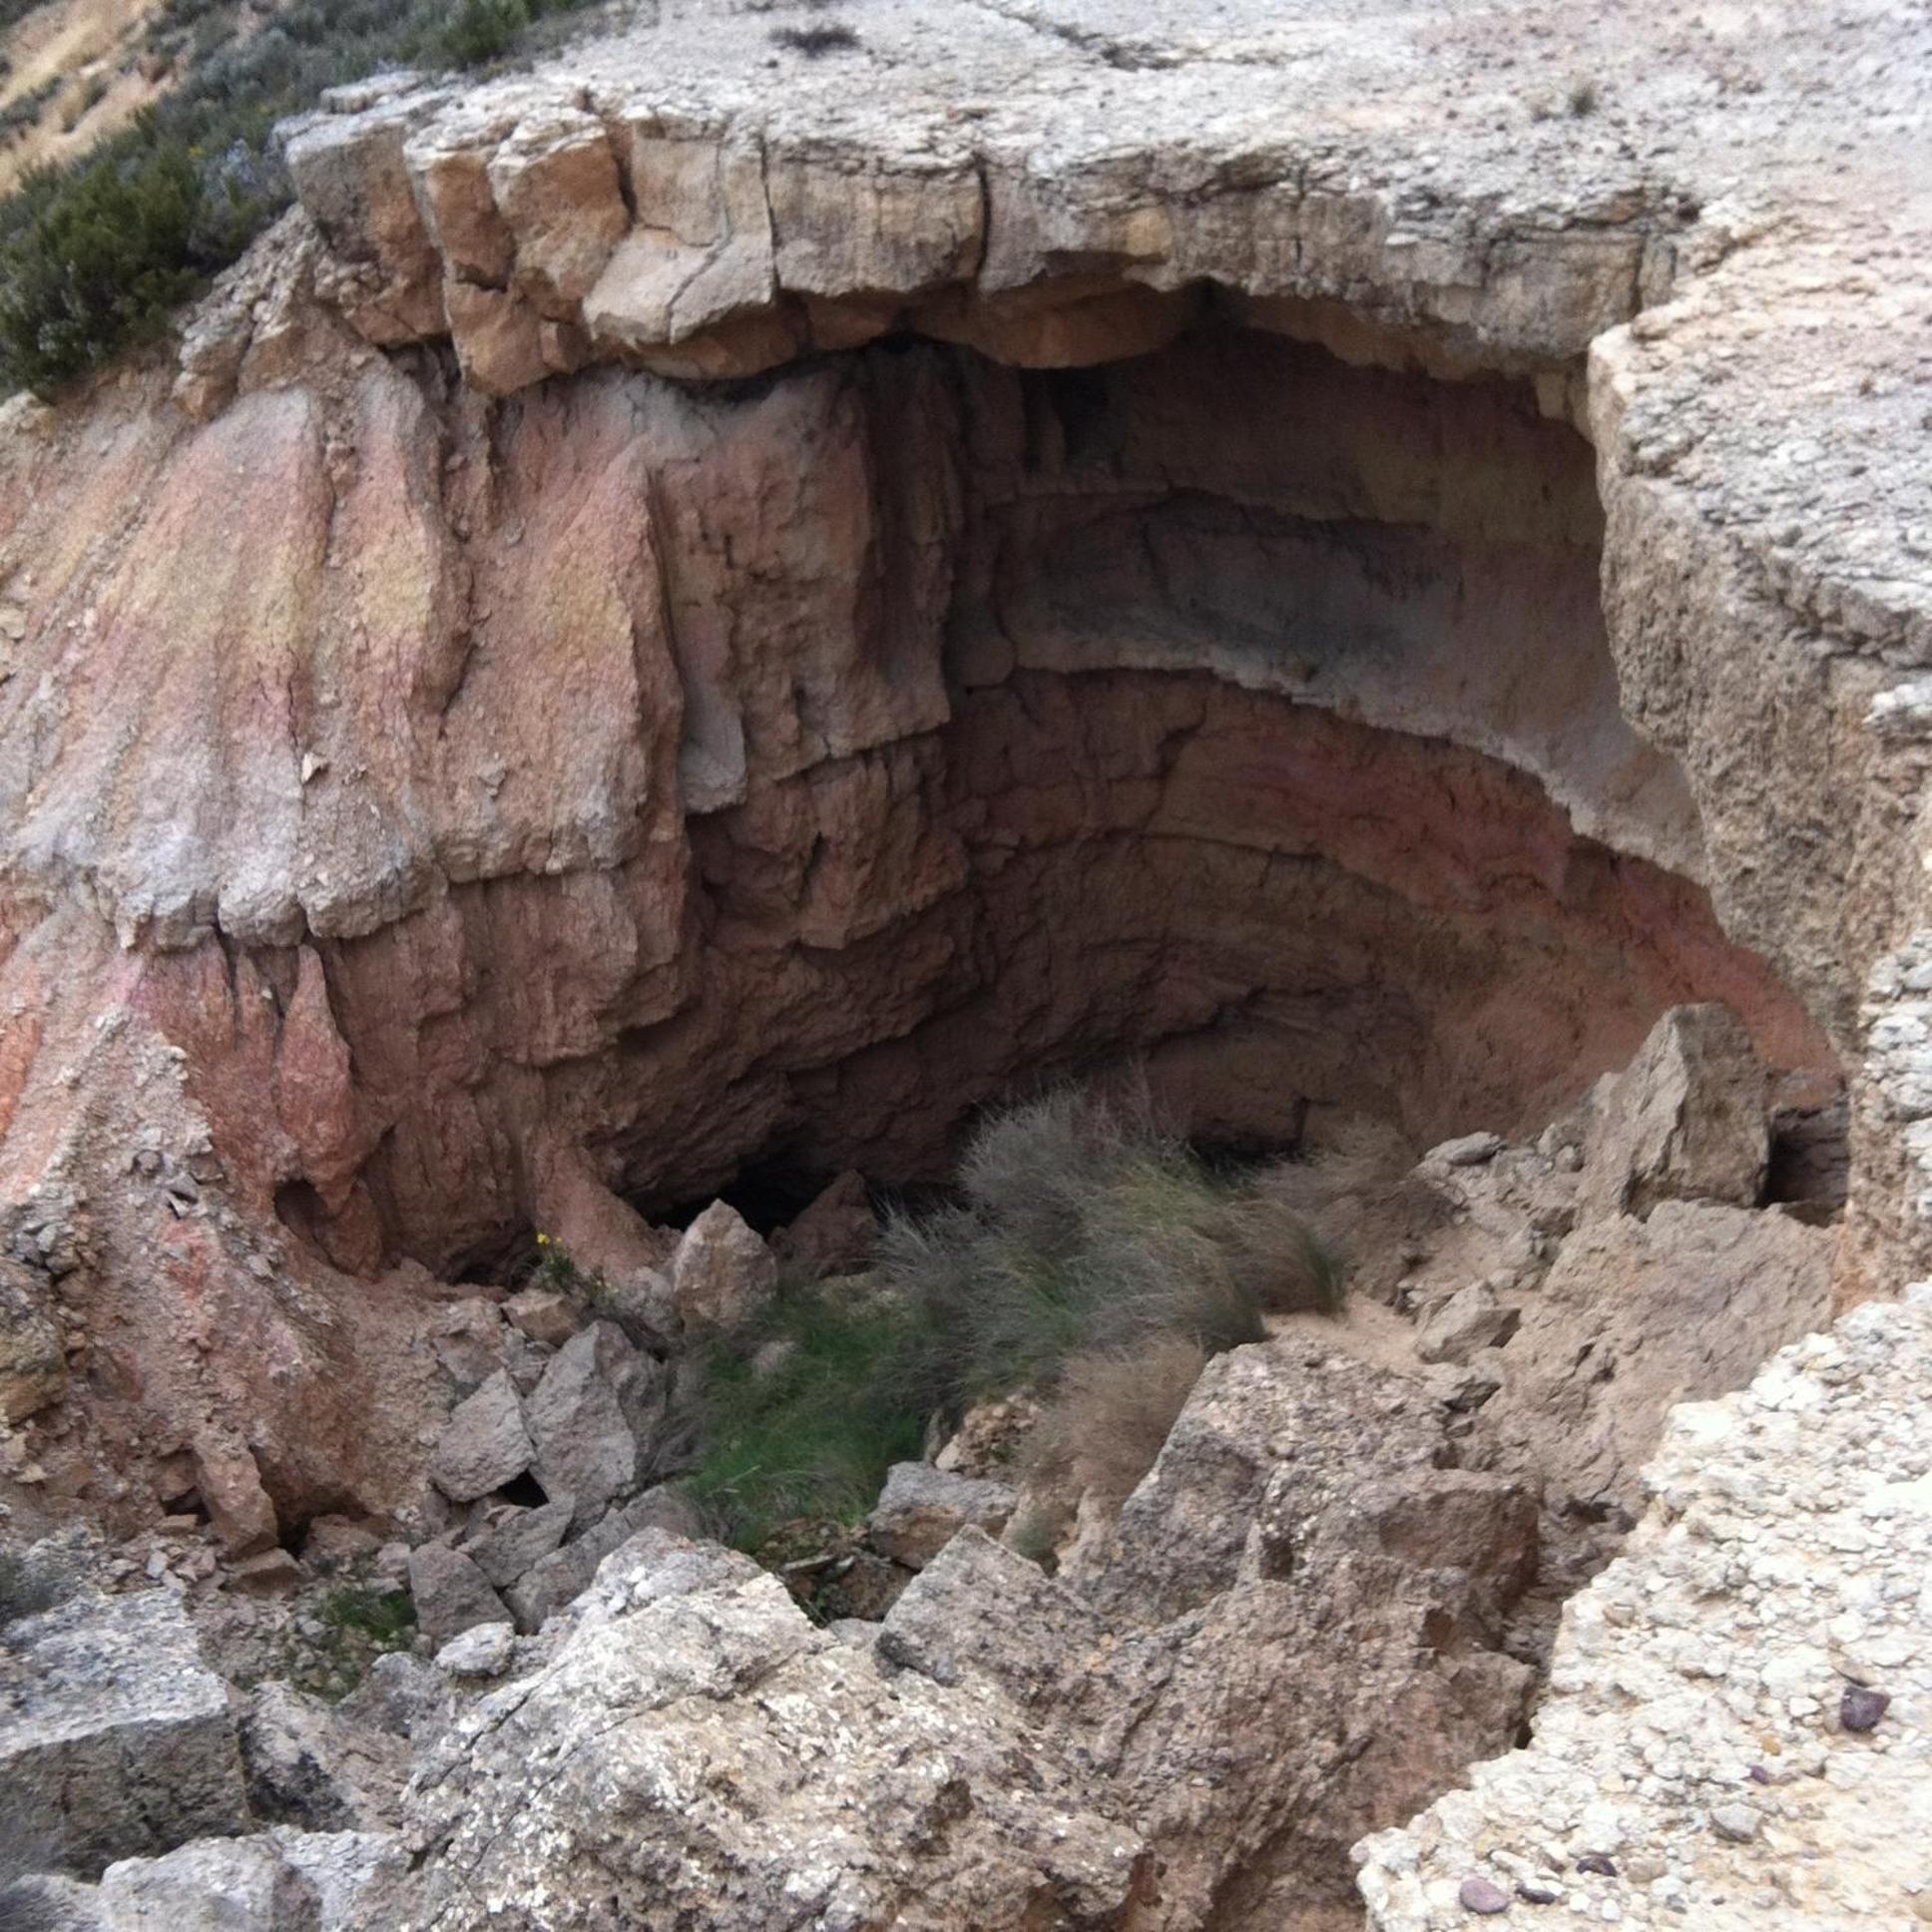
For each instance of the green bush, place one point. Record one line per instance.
(383, 1618)
(94, 256)
(480, 31)
(102, 258)
(813, 1437)
(1084, 1233)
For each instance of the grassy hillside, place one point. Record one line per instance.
(95, 254)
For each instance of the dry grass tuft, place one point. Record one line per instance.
(1111, 1415)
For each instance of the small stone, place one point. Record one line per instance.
(1483, 1897)
(1737, 1822)
(1759, 1775)
(273, 1574)
(483, 1650)
(1595, 1861)
(1533, 1894)
(544, 1315)
(1469, 1150)
(1860, 1709)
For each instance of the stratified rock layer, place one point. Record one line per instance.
(657, 780)
(1710, 1751)
(1142, 598)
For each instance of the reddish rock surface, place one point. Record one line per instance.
(555, 805)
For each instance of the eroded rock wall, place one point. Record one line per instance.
(468, 813)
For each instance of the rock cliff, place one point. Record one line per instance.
(707, 609)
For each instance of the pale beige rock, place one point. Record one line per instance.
(555, 184)
(701, 253)
(1472, 1318)
(1635, 1316)
(544, 1315)
(921, 1509)
(1686, 1121)
(722, 1274)
(496, 337)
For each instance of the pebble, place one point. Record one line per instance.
(1595, 1861)
(1860, 1709)
(1483, 1897)
(1737, 1822)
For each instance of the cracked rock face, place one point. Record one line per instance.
(678, 775)
(1356, 553)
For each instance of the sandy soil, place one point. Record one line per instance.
(75, 41)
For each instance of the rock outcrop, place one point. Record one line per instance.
(793, 585)
(116, 1739)
(1735, 1732)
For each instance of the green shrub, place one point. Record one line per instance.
(1084, 1236)
(479, 31)
(94, 256)
(102, 256)
(385, 1619)
(814, 1437)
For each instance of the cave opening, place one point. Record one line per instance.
(1230, 720)
(1274, 743)
(1232, 710)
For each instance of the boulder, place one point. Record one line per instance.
(544, 1315)
(1470, 1319)
(1478, 1530)
(275, 1573)
(979, 1609)
(922, 1508)
(311, 1764)
(711, 1759)
(722, 1274)
(212, 1885)
(1685, 1121)
(52, 1902)
(1635, 1316)
(483, 1650)
(516, 1539)
(402, 1695)
(1292, 1416)
(339, 1866)
(594, 1419)
(334, 1541)
(1288, 1640)
(558, 1580)
(274, 1881)
(485, 1445)
(114, 1740)
(232, 1492)
(835, 1235)
(555, 184)
(451, 1593)
(1466, 1151)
